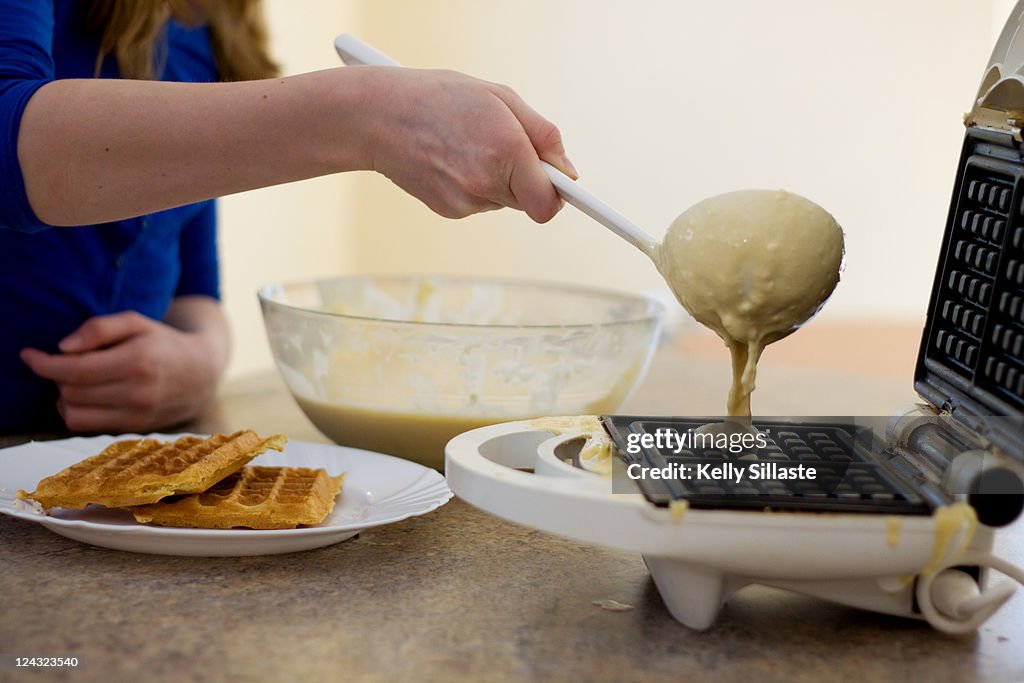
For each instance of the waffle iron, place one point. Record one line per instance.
(901, 515)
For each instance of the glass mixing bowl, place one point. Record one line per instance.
(401, 364)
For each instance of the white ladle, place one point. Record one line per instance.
(354, 51)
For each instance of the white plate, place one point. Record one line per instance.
(378, 489)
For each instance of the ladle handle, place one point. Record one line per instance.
(355, 52)
(575, 194)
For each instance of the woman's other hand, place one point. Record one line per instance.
(127, 373)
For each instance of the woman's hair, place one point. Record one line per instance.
(130, 30)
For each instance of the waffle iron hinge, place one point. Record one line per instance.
(996, 120)
(934, 449)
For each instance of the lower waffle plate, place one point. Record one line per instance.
(378, 489)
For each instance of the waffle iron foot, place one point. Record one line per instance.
(693, 594)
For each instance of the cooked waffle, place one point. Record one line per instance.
(139, 471)
(255, 497)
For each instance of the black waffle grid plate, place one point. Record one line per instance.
(850, 478)
(971, 361)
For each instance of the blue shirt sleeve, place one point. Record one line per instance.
(26, 64)
(200, 273)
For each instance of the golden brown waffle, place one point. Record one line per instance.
(256, 498)
(139, 471)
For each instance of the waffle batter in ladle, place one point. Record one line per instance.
(752, 265)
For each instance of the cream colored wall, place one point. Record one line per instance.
(856, 105)
(292, 231)
(1000, 11)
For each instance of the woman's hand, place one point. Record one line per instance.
(127, 373)
(462, 145)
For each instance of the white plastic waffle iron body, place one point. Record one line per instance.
(698, 558)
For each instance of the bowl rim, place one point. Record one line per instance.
(655, 310)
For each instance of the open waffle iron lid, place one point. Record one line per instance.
(971, 361)
(999, 103)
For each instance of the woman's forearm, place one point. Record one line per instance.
(98, 150)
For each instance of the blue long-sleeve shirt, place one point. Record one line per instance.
(53, 279)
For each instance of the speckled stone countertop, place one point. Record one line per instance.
(455, 595)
